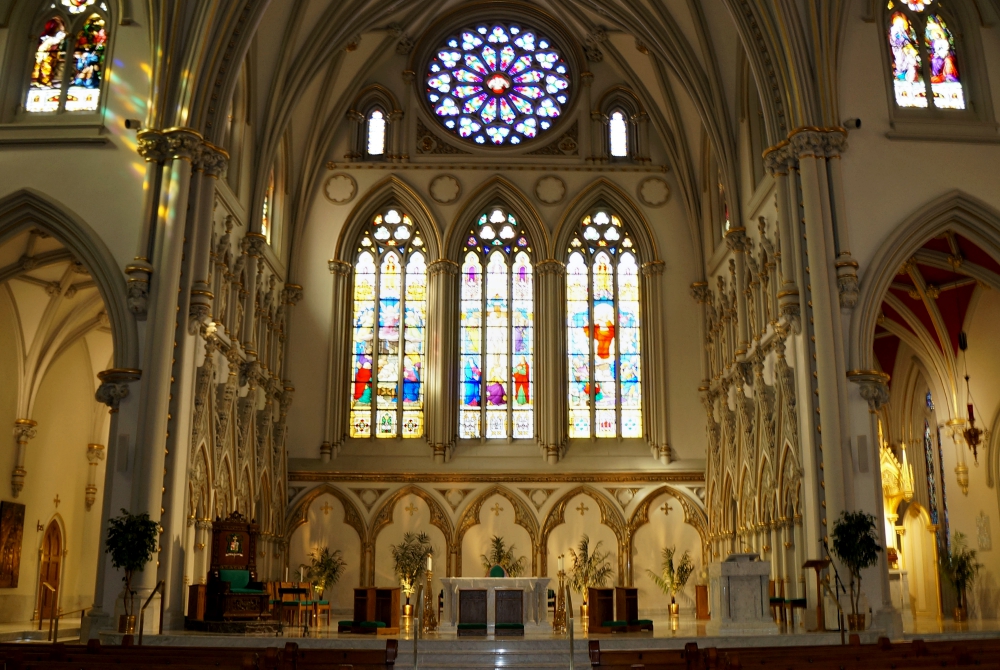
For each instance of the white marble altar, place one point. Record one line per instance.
(535, 602)
(739, 597)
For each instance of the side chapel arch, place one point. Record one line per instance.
(694, 516)
(523, 516)
(439, 518)
(610, 517)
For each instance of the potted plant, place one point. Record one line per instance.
(855, 543)
(409, 561)
(327, 566)
(672, 579)
(500, 554)
(131, 542)
(960, 567)
(590, 568)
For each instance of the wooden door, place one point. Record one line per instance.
(49, 573)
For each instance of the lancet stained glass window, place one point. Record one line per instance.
(389, 326)
(914, 61)
(618, 134)
(497, 330)
(376, 133)
(603, 339)
(45, 87)
(88, 66)
(497, 84)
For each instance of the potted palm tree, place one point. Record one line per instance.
(672, 578)
(855, 543)
(409, 561)
(590, 568)
(131, 541)
(502, 555)
(327, 567)
(960, 568)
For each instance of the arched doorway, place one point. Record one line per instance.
(49, 572)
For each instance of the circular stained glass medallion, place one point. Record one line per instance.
(497, 84)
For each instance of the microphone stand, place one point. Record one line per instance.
(838, 584)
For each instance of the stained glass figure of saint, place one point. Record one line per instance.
(496, 337)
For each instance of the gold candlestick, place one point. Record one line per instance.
(430, 622)
(559, 618)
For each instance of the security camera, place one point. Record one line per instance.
(852, 124)
(133, 124)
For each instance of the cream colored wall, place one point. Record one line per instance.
(406, 521)
(501, 523)
(326, 528)
(665, 530)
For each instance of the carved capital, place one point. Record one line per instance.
(255, 243)
(550, 267)
(737, 240)
(211, 159)
(777, 159)
(293, 294)
(443, 265)
(24, 430)
(653, 268)
(114, 386)
(818, 142)
(183, 143)
(340, 268)
(95, 453)
(139, 272)
(152, 145)
(701, 293)
(847, 279)
(874, 387)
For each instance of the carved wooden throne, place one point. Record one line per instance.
(233, 589)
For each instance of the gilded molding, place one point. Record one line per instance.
(669, 477)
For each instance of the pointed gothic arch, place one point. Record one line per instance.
(390, 191)
(497, 191)
(603, 192)
(298, 515)
(523, 517)
(439, 518)
(610, 517)
(694, 516)
(26, 209)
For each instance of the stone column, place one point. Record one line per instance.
(776, 163)
(24, 430)
(441, 411)
(339, 365)
(181, 146)
(874, 388)
(95, 454)
(551, 411)
(210, 165)
(656, 414)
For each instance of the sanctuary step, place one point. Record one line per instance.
(466, 654)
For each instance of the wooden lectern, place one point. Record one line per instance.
(819, 565)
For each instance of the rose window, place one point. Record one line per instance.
(499, 84)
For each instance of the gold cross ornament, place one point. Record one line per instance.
(496, 509)
(56, 500)
(666, 509)
(326, 508)
(582, 508)
(411, 508)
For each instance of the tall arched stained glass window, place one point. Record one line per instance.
(390, 313)
(88, 66)
(45, 88)
(914, 61)
(497, 330)
(48, 88)
(376, 133)
(602, 293)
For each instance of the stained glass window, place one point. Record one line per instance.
(618, 134)
(376, 133)
(77, 6)
(603, 339)
(389, 321)
(88, 66)
(267, 210)
(912, 63)
(946, 85)
(45, 87)
(499, 83)
(929, 463)
(907, 71)
(497, 330)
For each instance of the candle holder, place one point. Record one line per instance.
(430, 622)
(559, 618)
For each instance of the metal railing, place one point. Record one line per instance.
(418, 625)
(569, 623)
(52, 590)
(142, 612)
(53, 638)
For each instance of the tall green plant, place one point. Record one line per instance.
(855, 543)
(590, 567)
(960, 567)
(410, 560)
(672, 579)
(131, 542)
(502, 555)
(327, 566)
